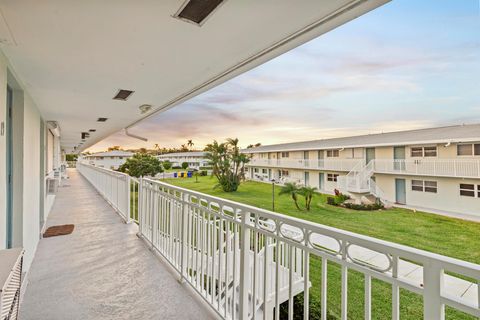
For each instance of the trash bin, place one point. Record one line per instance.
(174, 174)
(189, 174)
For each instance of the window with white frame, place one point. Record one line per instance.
(283, 173)
(416, 152)
(357, 153)
(333, 153)
(468, 149)
(264, 171)
(255, 170)
(424, 186)
(332, 177)
(468, 190)
(285, 154)
(417, 185)
(464, 150)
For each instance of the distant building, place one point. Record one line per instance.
(435, 169)
(195, 159)
(109, 160)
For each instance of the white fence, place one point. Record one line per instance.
(462, 168)
(245, 261)
(325, 164)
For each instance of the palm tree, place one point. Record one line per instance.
(308, 193)
(190, 143)
(156, 146)
(291, 189)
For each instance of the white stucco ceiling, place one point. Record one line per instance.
(73, 56)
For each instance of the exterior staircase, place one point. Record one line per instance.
(360, 185)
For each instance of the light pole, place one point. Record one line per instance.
(273, 194)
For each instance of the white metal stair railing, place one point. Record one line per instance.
(172, 220)
(357, 180)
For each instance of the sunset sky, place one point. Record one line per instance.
(406, 65)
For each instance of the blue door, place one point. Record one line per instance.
(9, 155)
(321, 181)
(400, 191)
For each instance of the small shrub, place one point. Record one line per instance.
(331, 201)
(176, 167)
(365, 207)
(341, 198)
(203, 173)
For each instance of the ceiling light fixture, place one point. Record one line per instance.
(144, 108)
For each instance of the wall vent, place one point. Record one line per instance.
(102, 119)
(123, 95)
(92, 130)
(197, 11)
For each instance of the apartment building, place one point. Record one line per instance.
(195, 159)
(434, 169)
(110, 159)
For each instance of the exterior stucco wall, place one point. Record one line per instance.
(447, 198)
(31, 179)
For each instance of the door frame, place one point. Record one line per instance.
(404, 191)
(9, 168)
(366, 155)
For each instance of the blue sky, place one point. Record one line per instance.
(408, 64)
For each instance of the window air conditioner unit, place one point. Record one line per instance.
(11, 261)
(52, 185)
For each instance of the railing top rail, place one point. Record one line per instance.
(451, 264)
(108, 171)
(423, 160)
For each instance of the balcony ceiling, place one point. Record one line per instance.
(73, 56)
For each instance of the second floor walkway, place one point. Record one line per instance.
(102, 270)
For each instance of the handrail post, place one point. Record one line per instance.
(184, 232)
(129, 200)
(140, 206)
(244, 265)
(433, 308)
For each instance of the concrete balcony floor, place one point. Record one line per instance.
(101, 270)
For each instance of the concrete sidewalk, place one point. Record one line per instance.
(101, 270)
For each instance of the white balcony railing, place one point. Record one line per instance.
(462, 168)
(245, 261)
(325, 164)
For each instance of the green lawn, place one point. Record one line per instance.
(443, 235)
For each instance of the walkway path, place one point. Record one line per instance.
(102, 270)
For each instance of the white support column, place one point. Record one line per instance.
(244, 265)
(433, 308)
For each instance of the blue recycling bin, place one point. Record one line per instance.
(189, 174)
(174, 174)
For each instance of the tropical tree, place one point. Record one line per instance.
(184, 165)
(167, 165)
(190, 143)
(140, 165)
(308, 193)
(228, 163)
(156, 146)
(292, 189)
